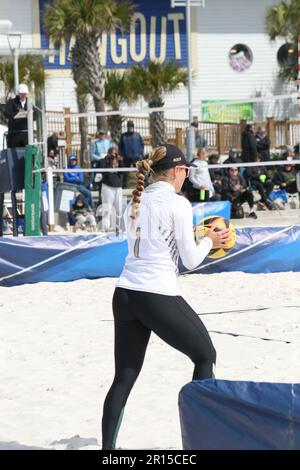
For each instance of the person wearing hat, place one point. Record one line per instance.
(16, 112)
(77, 178)
(146, 298)
(131, 148)
(100, 146)
(98, 150)
(233, 158)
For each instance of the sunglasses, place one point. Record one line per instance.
(187, 170)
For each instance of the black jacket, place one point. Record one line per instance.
(263, 146)
(249, 150)
(110, 179)
(229, 190)
(12, 107)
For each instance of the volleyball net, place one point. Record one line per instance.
(220, 124)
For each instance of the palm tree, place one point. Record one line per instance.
(153, 82)
(31, 72)
(82, 97)
(118, 90)
(283, 20)
(86, 20)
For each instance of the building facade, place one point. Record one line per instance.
(232, 56)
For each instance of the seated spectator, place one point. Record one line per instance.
(258, 177)
(111, 192)
(200, 178)
(233, 158)
(235, 190)
(285, 177)
(77, 178)
(82, 214)
(216, 175)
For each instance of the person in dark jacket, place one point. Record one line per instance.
(249, 150)
(233, 158)
(52, 144)
(286, 178)
(77, 179)
(258, 177)
(263, 144)
(16, 112)
(235, 190)
(131, 148)
(111, 190)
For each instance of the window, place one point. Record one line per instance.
(240, 57)
(286, 55)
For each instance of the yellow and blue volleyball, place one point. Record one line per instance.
(217, 223)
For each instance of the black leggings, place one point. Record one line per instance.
(136, 314)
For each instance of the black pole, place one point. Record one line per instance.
(14, 213)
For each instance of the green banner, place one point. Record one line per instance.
(226, 112)
(32, 191)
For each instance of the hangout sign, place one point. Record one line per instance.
(157, 32)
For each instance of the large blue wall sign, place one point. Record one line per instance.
(157, 32)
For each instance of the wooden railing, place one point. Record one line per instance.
(220, 137)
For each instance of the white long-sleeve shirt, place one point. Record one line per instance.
(200, 177)
(162, 232)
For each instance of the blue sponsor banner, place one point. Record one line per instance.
(158, 32)
(239, 415)
(67, 258)
(205, 209)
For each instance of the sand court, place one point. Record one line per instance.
(56, 353)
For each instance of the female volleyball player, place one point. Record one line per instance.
(160, 229)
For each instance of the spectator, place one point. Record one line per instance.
(235, 190)
(258, 177)
(111, 192)
(82, 214)
(263, 144)
(131, 148)
(200, 178)
(77, 179)
(100, 146)
(52, 144)
(216, 175)
(249, 150)
(289, 153)
(285, 177)
(233, 159)
(52, 159)
(16, 112)
(195, 122)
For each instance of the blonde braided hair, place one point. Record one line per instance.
(144, 169)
